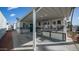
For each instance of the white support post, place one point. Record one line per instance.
(34, 29)
(18, 25)
(65, 26)
(56, 26)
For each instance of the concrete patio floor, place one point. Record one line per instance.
(24, 42)
(46, 45)
(19, 39)
(67, 45)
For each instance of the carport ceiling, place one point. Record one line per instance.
(50, 13)
(53, 12)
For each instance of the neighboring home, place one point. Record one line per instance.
(14, 26)
(3, 24)
(9, 27)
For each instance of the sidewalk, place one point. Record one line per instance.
(6, 42)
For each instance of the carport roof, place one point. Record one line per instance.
(48, 13)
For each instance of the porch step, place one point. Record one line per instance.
(23, 49)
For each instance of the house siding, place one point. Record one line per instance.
(3, 24)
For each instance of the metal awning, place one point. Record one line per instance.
(49, 13)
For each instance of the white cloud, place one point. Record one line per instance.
(10, 8)
(12, 15)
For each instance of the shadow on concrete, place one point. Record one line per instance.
(46, 48)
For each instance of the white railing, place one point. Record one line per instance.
(54, 35)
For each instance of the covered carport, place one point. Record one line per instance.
(49, 14)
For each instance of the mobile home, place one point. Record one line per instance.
(3, 24)
(49, 19)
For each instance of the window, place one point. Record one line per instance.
(44, 23)
(58, 22)
(39, 24)
(23, 25)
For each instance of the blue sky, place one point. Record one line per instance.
(75, 20)
(12, 12)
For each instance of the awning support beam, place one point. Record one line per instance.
(39, 9)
